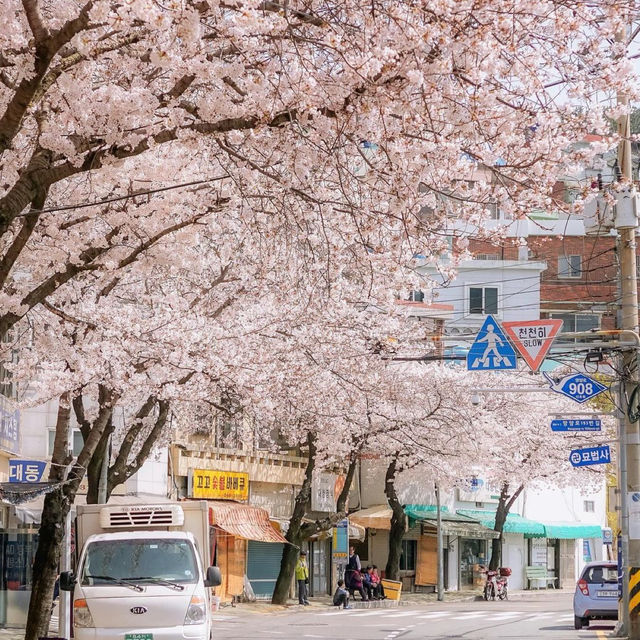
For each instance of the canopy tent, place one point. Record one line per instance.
(514, 523)
(378, 517)
(572, 530)
(243, 521)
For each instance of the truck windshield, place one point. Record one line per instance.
(108, 561)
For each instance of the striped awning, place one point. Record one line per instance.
(243, 521)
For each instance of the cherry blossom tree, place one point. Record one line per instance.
(327, 139)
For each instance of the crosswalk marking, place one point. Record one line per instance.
(468, 615)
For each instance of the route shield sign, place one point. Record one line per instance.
(533, 338)
(592, 455)
(577, 386)
(491, 349)
(574, 424)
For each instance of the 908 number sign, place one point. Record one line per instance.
(577, 386)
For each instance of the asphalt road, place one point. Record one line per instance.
(548, 617)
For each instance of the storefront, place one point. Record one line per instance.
(570, 546)
(244, 542)
(468, 555)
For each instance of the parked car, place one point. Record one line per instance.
(596, 595)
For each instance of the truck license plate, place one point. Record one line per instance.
(138, 636)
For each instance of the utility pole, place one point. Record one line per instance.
(440, 547)
(629, 458)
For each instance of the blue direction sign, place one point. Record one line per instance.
(573, 424)
(592, 455)
(576, 386)
(491, 350)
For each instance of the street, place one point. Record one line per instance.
(549, 617)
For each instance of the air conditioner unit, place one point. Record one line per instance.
(162, 515)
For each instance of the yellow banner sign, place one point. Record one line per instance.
(220, 485)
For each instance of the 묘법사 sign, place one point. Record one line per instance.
(590, 455)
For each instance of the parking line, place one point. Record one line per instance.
(601, 634)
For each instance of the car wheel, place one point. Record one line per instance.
(579, 622)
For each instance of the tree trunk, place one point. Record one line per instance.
(398, 523)
(293, 535)
(504, 505)
(51, 532)
(299, 532)
(56, 507)
(94, 470)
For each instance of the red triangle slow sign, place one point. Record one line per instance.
(532, 338)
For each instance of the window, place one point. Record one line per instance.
(589, 506)
(78, 442)
(577, 321)
(569, 266)
(486, 256)
(416, 296)
(600, 574)
(408, 557)
(483, 300)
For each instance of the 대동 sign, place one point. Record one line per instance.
(26, 470)
(218, 485)
(589, 456)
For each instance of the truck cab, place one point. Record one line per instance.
(149, 580)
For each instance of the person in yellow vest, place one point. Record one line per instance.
(302, 576)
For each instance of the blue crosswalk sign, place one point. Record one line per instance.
(491, 349)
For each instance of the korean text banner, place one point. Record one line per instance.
(220, 485)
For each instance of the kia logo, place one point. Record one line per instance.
(138, 610)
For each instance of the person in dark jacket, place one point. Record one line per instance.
(352, 565)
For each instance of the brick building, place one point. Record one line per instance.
(580, 282)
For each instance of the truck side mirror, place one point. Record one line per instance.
(214, 577)
(67, 581)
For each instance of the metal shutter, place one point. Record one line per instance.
(263, 567)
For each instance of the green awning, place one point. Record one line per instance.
(572, 530)
(513, 524)
(453, 524)
(418, 512)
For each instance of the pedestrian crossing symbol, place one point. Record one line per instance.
(491, 349)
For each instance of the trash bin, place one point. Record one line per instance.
(392, 588)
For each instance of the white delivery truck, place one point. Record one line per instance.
(142, 573)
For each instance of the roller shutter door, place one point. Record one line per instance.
(263, 566)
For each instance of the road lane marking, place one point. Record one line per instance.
(402, 614)
(469, 615)
(601, 635)
(435, 614)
